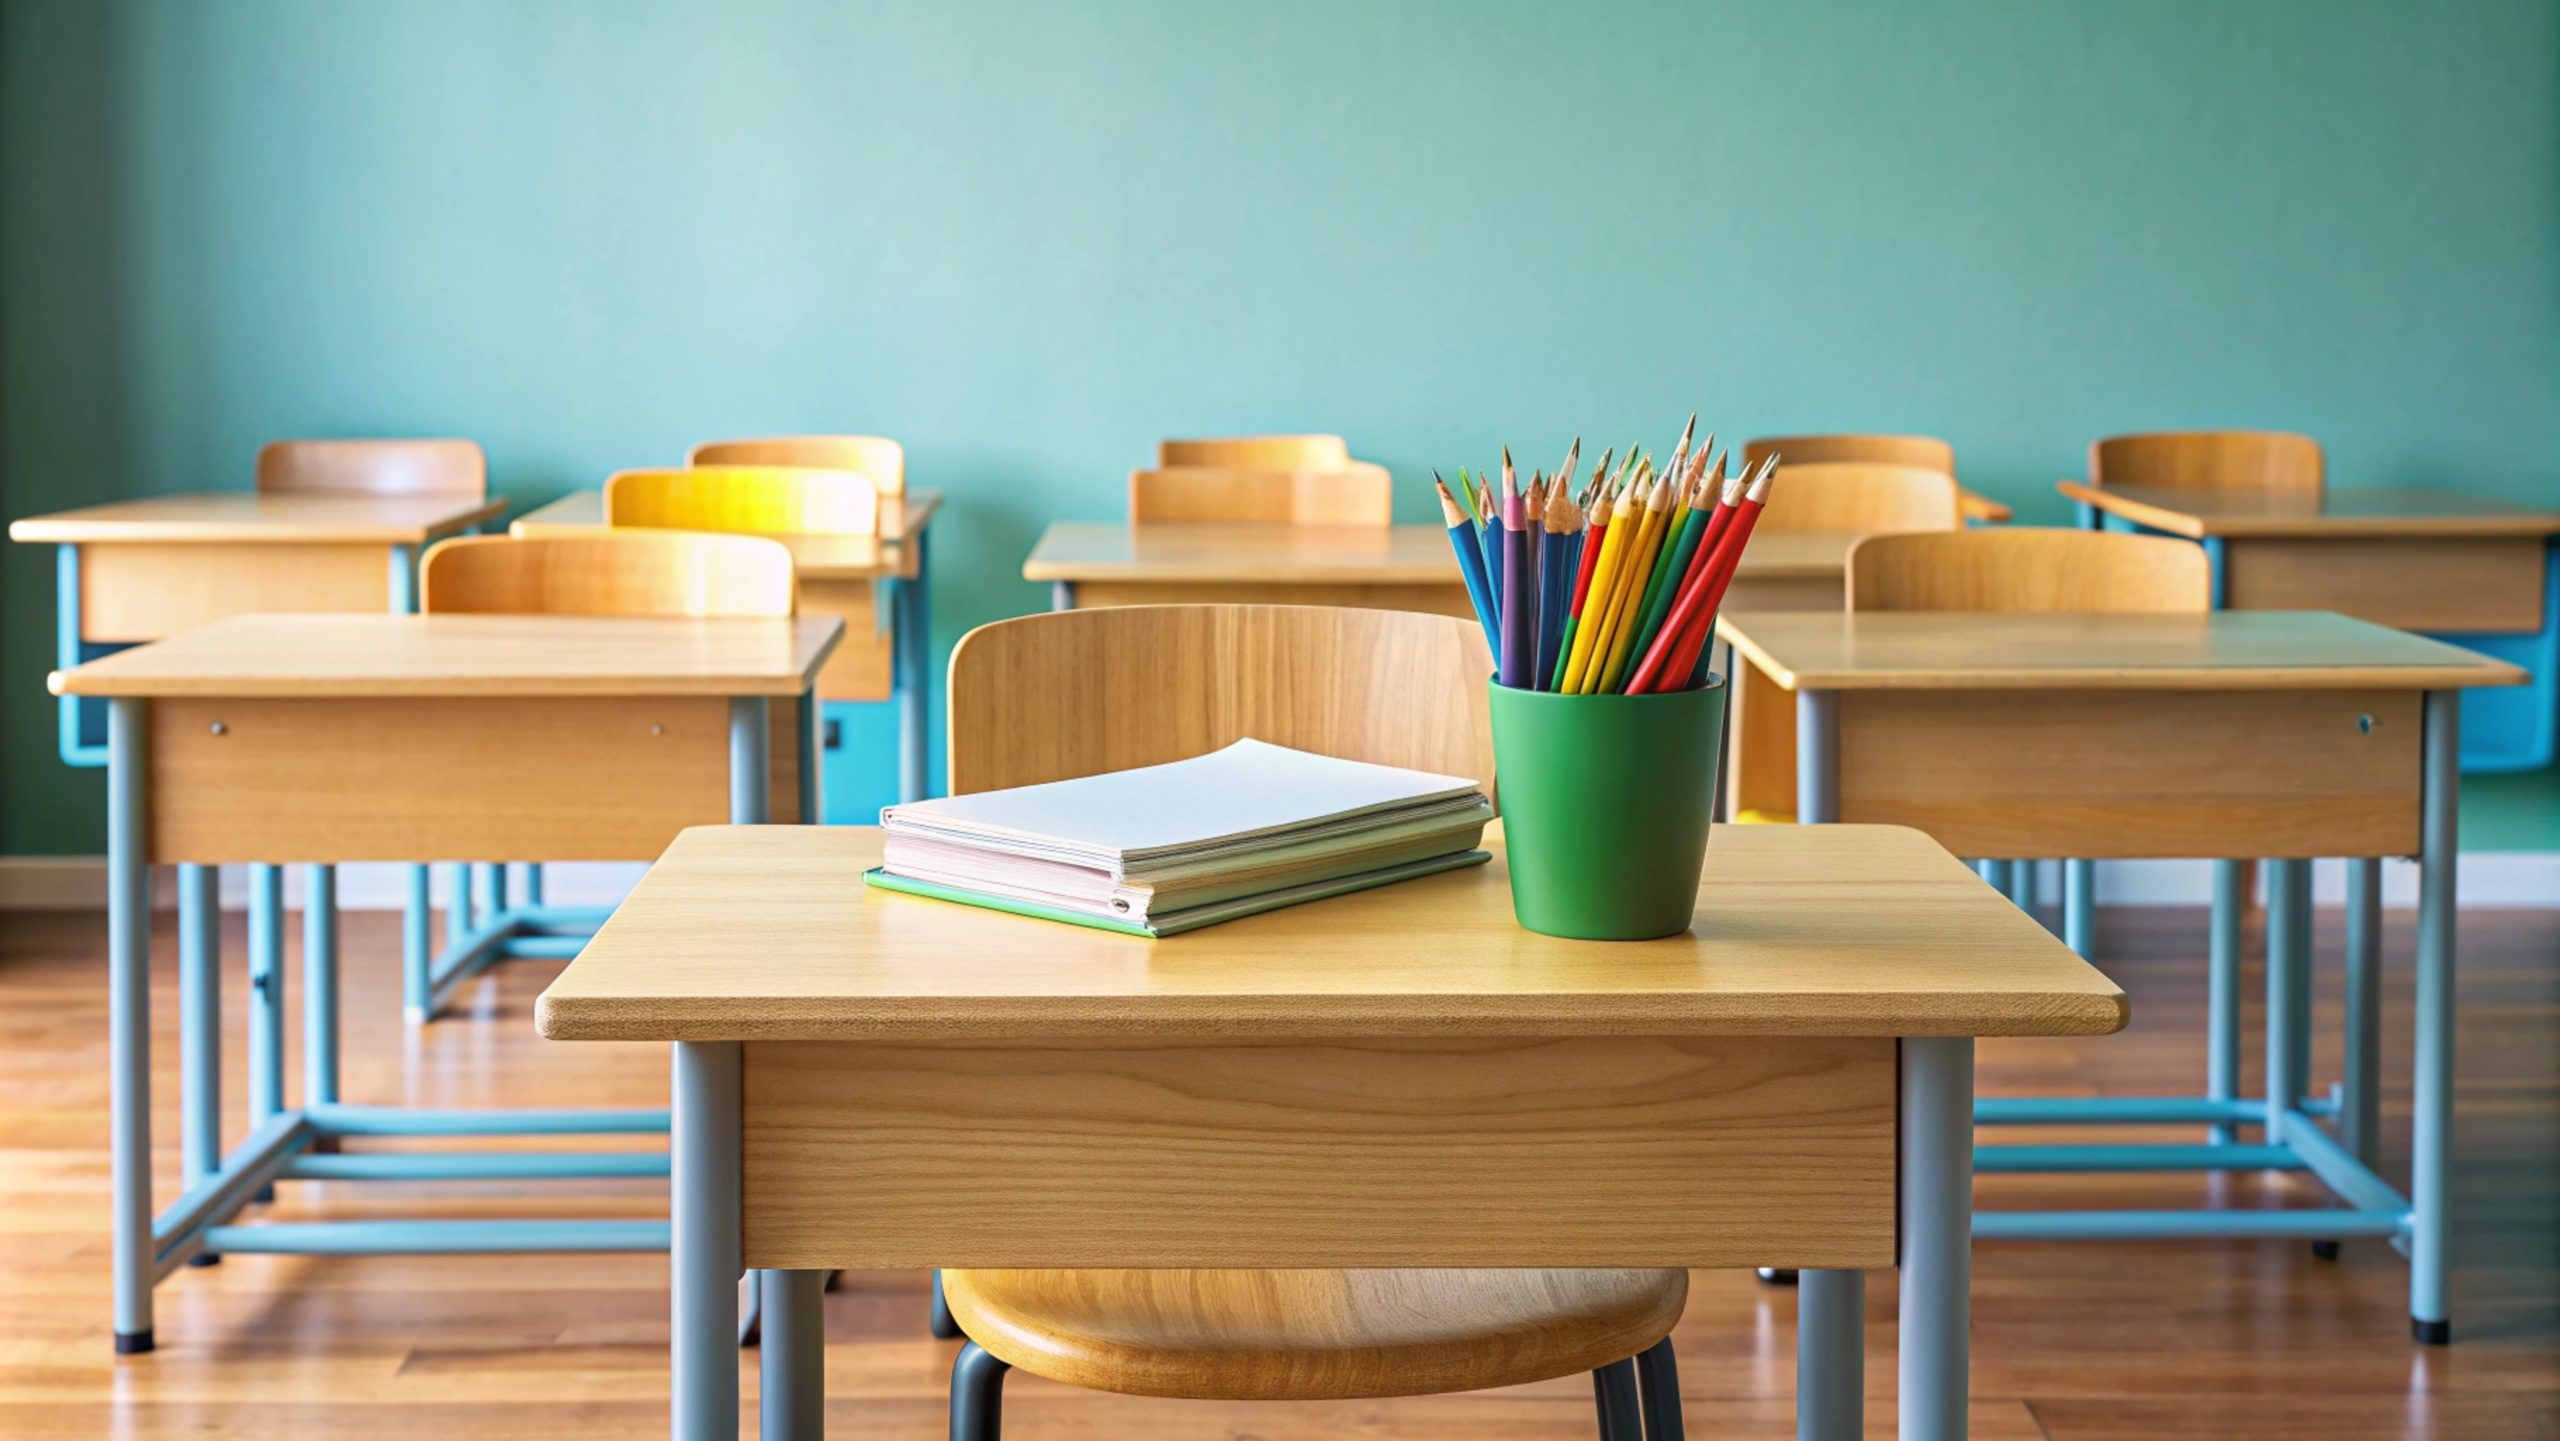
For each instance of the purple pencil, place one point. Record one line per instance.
(1519, 601)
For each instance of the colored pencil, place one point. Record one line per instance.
(1676, 555)
(1560, 521)
(1462, 539)
(1590, 547)
(1675, 652)
(1519, 643)
(1638, 570)
(1621, 527)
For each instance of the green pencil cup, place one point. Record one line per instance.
(1605, 805)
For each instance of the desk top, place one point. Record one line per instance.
(247, 516)
(1980, 650)
(365, 655)
(1332, 554)
(2330, 513)
(1813, 930)
(816, 557)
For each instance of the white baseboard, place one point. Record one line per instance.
(2488, 880)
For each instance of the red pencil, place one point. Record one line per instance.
(1676, 647)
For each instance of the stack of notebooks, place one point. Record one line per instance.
(1171, 848)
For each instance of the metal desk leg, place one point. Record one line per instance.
(416, 947)
(913, 641)
(199, 1020)
(129, 1022)
(793, 1363)
(703, 1250)
(2285, 940)
(2431, 1095)
(1062, 595)
(1831, 1355)
(2360, 1112)
(750, 793)
(320, 987)
(1937, 1235)
(266, 992)
(2023, 876)
(2080, 906)
(811, 791)
(2222, 993)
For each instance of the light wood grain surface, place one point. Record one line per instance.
(352, 656)
(1358, 493)
(2314, 513)
(2223, 650)
(819, 557)
(1818, 930)
(1257, 452)
(1860, 496)
(273, 519)
(2209, 460)
(374, 467)
(882, 459)
(1308, 1335)
(608, 572)
(142, 590)
(2028, 568)
(2450, 585)
(1243, 555)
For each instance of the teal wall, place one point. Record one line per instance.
(1029, 239)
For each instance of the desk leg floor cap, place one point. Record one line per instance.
(2433, 1333)
(132, 1343)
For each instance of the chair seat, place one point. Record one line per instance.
(1312, 1334)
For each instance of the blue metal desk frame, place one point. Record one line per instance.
(2287, 1118)
(300, 1142)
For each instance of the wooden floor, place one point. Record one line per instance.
(2072, 1342)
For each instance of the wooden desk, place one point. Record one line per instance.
(322, 738)
(2287, 735)
(2477, 571)
(904, 1082)
(1975, 508)
(839, 575)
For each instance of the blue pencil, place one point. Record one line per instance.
(1462, 538)
(1555, 578)
(1519, 628)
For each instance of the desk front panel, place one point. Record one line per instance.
(1589, 1151)
(140, 591)
(1429, 598)
(2462, 586)
(2128, 774)
(431, 778)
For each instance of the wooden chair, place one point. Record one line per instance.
(884, 462)
(1256, 452)
(609, 573)
(1049, 697)
(1925, 452)
(744, 499)
(373, 467)
(2029, 569)
(1357, 494)
(1860, 496)
(2208, 460)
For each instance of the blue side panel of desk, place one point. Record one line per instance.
(859, 768)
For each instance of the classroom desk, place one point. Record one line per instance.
(324, 738)
(2480, 573)
(838, 574)
(2279, 734)
(901, 1082)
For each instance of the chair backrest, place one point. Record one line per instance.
(1861, 497)
(1256, 452)
(1072, 693)
(373, 467)
(2208, 460)
(884, 461)
(2029, 568)
(1358, 494)
(628, 572)
(745, 499)
(1925, 452)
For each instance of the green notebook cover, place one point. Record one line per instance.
(1194, 917)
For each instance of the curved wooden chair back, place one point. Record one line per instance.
(1073, 693)
(2209, 460)
(745, 500)
(1256, 452)
(1358, 494)
(373, 467)
(1924, 452)
(2030, 568)
(628, 572)
(884, 462)
(1860, 497)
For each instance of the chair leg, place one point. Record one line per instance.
(1613, 1388)
(1658, 1377)
(944, 1328)
(977, 1395)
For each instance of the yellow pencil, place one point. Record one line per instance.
(1636, 569)
(1603, 583)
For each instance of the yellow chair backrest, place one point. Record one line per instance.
(1256, 452)
(373, 467)
(628, 572)
(1357, 494)
(884, 461)
(2029, 568)
(1861, 497)
(745, 499)
(2209, 460)
(1072, 693)
(1925, 452)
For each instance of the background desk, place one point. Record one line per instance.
(2479, 573)
(326, 738)
(2287, 735)
(838, 576)
(901, 1082)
